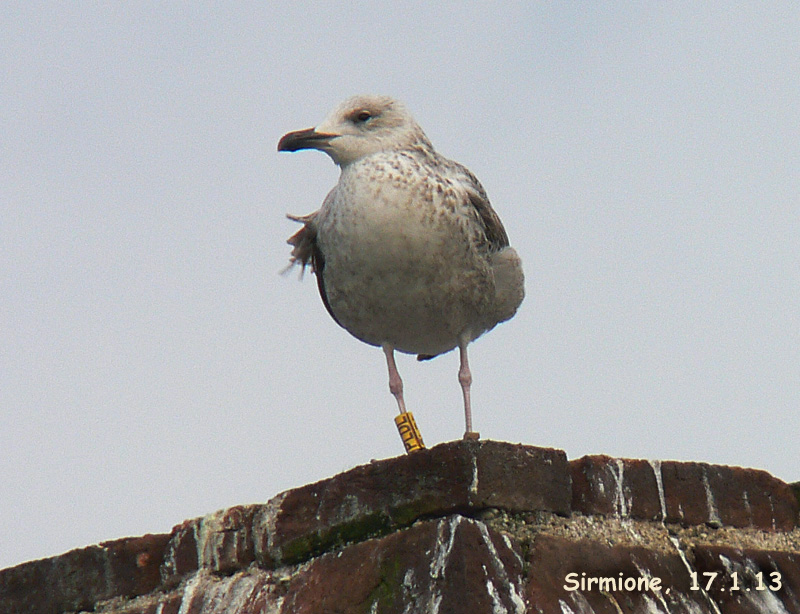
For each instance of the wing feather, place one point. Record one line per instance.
(493, 229)
(306, 251)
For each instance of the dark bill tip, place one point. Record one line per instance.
(303, 139)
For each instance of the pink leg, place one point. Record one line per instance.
(465, 379)
(395, 383)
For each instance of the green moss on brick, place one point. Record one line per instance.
(315, 544)
(383, 597)
(404, 515)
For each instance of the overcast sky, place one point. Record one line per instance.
(155, 365)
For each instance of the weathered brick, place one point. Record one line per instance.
(373, 499)
(404, 535)
(688, 493)
(78, 579)
(180, 556)
(550, 587)
(779, 571)
(615, 487)
(453, 564)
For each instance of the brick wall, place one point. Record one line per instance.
(463, 527)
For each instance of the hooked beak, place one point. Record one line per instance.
(304, 139)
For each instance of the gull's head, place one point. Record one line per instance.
(360, 126)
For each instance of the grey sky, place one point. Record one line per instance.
(154, 364)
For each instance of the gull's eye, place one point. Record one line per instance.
(362, 116)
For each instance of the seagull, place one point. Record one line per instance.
(407, 251)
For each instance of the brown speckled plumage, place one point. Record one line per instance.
(408, 252)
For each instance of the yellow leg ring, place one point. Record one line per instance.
(409, 433)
